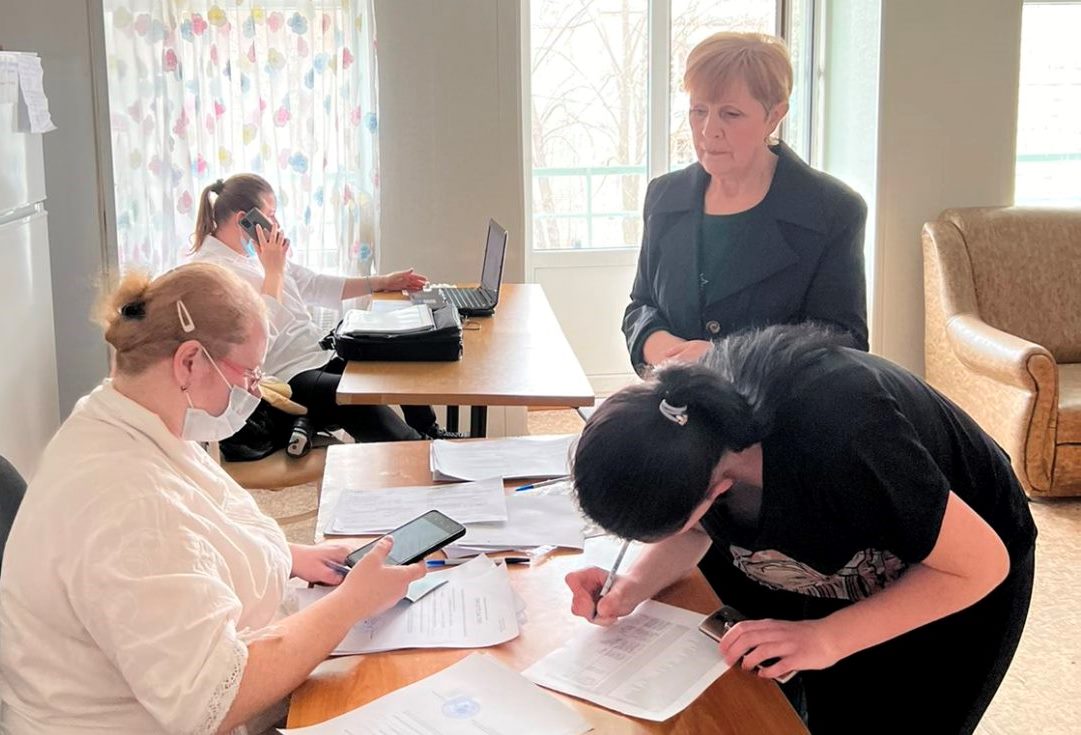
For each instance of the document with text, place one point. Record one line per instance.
(363, 512)
(652, 664)
(519, 456)
(476, 696)
(476, 607)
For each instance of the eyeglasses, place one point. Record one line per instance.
(252, 376)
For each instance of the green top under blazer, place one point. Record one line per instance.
(802, 260)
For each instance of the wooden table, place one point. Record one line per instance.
(736, 703)
(516, 357)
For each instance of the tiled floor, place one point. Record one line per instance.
(1040, 693)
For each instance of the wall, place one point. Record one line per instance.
(450, 132)
(58, 31)
(947, 126)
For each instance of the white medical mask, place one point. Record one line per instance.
(200, 426)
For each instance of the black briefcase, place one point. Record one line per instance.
(441, 344)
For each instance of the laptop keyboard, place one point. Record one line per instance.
(467, 298)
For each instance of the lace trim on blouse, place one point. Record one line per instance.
(224, 694)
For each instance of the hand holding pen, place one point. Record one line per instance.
(602, 596)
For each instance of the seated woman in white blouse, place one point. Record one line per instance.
(141, 584)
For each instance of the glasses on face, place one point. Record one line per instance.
(251, 376)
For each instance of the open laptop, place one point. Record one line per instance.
(480, 301)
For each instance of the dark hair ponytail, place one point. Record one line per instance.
(238, 193)
(641, 467)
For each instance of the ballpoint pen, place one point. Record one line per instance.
(339, 568)
(611, 575)
(456, 562)
(546, 483)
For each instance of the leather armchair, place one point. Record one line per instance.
(1002, 291)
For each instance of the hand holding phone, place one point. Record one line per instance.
(374, 584)
(252, 218)
(416, 539)
(722, 621)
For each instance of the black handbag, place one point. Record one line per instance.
(441, 344)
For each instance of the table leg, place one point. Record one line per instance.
(452, 418)
(478, 421)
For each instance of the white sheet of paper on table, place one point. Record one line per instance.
(362, 512)
(519, 456)
(531, 521)
(652, 664)
(601, 551)
(476, 695)
(474, 609)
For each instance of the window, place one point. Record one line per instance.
(594, 112)
(1049, 109)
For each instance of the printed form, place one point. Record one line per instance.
(519, 456)
(475, 608)
(651, 664)
(363, 512)
(476, 696)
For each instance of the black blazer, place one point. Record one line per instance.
(806, 259)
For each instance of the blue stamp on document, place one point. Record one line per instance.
(461, 707)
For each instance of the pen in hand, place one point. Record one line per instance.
(339, 568)
(610, 580)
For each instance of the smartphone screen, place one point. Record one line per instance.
(253, 217)
(416, 539)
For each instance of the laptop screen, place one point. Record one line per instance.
(494, 252)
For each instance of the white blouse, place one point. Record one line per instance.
(135, 571)
(294, 337)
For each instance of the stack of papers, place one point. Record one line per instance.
(417, 318)
(651, 664)
(476, 695)
(520, 456)
(531, 521)
(366, 512)
(473, 609)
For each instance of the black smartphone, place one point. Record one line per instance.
(416, 539)
(720, 622)
(253, 217)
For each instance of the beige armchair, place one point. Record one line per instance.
(1002, 288)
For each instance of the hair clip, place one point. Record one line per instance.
(133, 310)
(218, 186)
(675, 414)
(185, 317)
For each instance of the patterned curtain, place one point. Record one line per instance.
(201, 90)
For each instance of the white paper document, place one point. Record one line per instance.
(363, 512)
(520, 456)
(34, 110)
(601, 551)
(474, 609)
(476, 696)
(531, 521)
(399, 321)
(651, 664)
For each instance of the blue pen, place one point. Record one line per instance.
(546, 483)
(456, 562)
(339, 568)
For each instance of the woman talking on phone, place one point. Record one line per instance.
(888, 534)
(142, 585)
(294, 354)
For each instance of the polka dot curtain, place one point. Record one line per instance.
(201, 90)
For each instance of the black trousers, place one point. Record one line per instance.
(939, 678)
(317, 390)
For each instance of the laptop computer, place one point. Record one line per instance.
(480, 301)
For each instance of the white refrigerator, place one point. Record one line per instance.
(29, 396)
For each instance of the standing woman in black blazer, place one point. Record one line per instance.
(750, 235)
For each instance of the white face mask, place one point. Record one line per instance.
(200, 426)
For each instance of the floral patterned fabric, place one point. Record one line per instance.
(200, 90)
